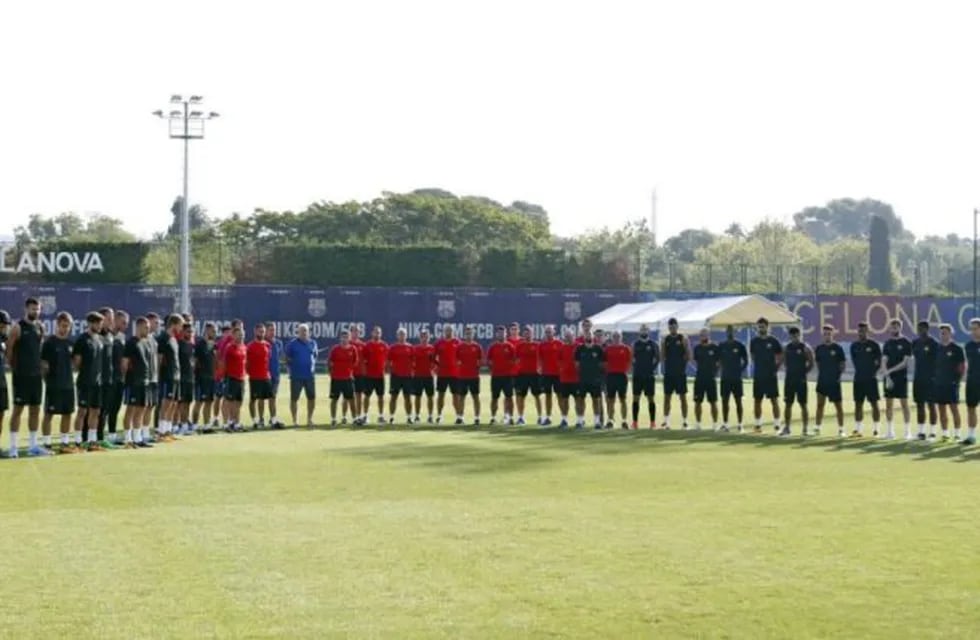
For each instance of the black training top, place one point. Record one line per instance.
(57, 352)
(924, 351)
(89, 348)
(866, 356)
(590, 358)
(706, 356)
(795, 357)
(674, 352)
(646, 357)
(949, 363)
(204, 355)
(896, 350)
(734, 359)
(28, 348)
(829, 358)
(764, 351)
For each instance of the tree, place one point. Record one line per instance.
(685, 244)
(197, 217)
(879, 255)
(846, 218)
(71, 227)
(630, 245)
(735, 230)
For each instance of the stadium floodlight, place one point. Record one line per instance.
(185, 125)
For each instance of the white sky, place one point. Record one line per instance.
(734, 110)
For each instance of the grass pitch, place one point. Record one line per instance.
(445, 532)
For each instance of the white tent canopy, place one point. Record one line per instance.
(694, 314)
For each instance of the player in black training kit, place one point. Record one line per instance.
(87, 356)
(706, 357)
(59, 388)
(734, 359)
(24, 357)
(675, 354)
(972, 352)
(591, 359)
(895, 369)
(767, 356)
(646, 357)
(4, 396)
(831, 362)
(950, 363)
(866, 357)
(799, 361)
(924, 351)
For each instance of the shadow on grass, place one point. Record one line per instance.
(538, 445)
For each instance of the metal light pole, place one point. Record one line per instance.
(976, 313)
(185, 125)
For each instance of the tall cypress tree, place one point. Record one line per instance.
(879, 252)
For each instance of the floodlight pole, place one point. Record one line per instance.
(186, 125)
(976, 312)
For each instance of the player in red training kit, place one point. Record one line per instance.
(619, 359)
(342, 363)
(469, 357)
(401, 360)
(422, 382)
(445, 356)
(569, 382)
(234, 356)
(528, 375)
(502, 357)
(359, 370)
(549, 351)
(375, 361)
(259, 378)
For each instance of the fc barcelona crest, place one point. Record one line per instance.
(573, 310)
(49, 305)
(446, 309)
(317, 307)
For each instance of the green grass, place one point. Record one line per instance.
(442, 532)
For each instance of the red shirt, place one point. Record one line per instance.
(342, 362)
(567, 365)
(514, 341)
(234, 359)
(527, 358)
(619, 358)
(502, 357)
(549, 352)
(469, 355)
(402, 359)
(258, 360)
(446, 357)
(361, 364)
(424, 354)
(375, 356)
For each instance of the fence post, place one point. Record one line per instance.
(744, 275)
(816, 280)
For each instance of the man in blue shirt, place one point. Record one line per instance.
(275, 361)
(301, 354)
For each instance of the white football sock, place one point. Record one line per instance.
(13, 440)
(32, 439)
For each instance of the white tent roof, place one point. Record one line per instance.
(694, 314)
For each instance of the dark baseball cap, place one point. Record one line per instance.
(4, 317)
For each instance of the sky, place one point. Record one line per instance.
(733, 111)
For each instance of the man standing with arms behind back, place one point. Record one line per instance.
(767, 356)
(924, 351)
(646, 357)
(734, 359)
(897, 352)
(24, 356)
(275, 362)
(866, 356)
(676, 354)
(301, 354)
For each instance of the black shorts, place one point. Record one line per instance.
(307, 386)
(446, 383)
(259, 389)
(501, 385)
(4, 398)
(675, 383)
(830, 389)
(186, 392)
(866, 390)
(705, 389)
(972, 393)
(205, 389)
(569, 389)
(527, 383)
(401, 384)
(423, 384)
(219, 388)
(731, 388)
(616, 384)
(27, 391)
(89, 396)
(644, 386)
(359, 384)
(168, 391)
(946, 393)
(468, 386)
(796, 390)
(900, 388)
(590, 389)
(375, 386)
(767, 387)
(922, 391)
(137, 395)
(234, 390)
(342, 388)
(549, 384)
(59, 402)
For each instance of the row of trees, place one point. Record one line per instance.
(846, 244)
